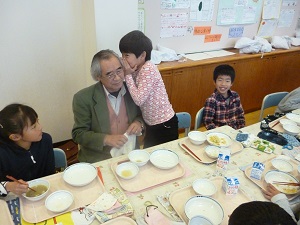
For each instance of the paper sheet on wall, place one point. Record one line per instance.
(173, 24)
(267, 28)
(238, 12)
(141, 20)
(235, 32)
(286, 18)
(271, 9)
(175, 4)
(289, 2)
(201, 10)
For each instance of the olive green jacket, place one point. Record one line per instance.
(91, 122)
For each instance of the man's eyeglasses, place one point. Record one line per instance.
(113, 74)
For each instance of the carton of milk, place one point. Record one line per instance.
(231, 185)
(257, 170)
(223, 161)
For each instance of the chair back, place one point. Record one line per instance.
(198, 118)
(270, 100)
(60, 159)
(184, 121)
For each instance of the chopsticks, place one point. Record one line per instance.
(190, 151)
(14, 179)
(275, 124)
(286, 183)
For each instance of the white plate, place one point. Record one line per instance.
(80, 174)
(164, 159)
(204, 187)
(212, 151)
(200, 220)
(296, 111)
(219, 139)
(127, 170)
(287, 121)
(274, 175)
(282, 165)
(59, 201)
(294, 117)
(206, 207)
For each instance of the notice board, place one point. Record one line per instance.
(213, 34)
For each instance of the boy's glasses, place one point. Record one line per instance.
(113, 74)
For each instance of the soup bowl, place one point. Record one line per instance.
(41, 187)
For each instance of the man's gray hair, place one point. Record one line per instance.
(96, 70)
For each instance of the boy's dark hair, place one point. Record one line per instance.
(136, 42)
(14, 118)
(224, 70)
(262, 213)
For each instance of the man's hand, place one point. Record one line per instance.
(116, 141)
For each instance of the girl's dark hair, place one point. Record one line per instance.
(136, 42)
(14, 118)
(262, 213)
(224, 70)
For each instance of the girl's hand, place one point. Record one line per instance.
(127, 69)
(17, 187)
(270, 191)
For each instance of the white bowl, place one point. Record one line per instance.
(164, 159)
(212, 151)
(127, 170)
(291, 129)
(294, 117)
(200, 220)
(282, 165)
(204, 187)
(219, 139)
(206, 207)
(197, 137)
(298, 169)
(59, 201)
(80, 174)
(38, 185)
(287, 121)
(139, 157)
(275, 175)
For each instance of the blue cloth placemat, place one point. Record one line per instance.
(14, 208)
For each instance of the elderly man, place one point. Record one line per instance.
(104, 111)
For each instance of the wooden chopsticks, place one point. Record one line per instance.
(190, 151)
(286, 183)
(14, 179)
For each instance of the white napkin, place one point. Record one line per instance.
(104, 202)
(127, 147)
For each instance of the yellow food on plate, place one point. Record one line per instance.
(217, 140)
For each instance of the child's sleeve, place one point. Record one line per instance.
(208, 114)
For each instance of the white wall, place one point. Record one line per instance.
(114, 19)
(46, 49)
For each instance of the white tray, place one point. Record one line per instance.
(34, 212)
(179, 197)
(148, 176)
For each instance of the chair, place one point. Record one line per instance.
(198, 118)
(270, 100)
(60, 159)
(184, 121)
